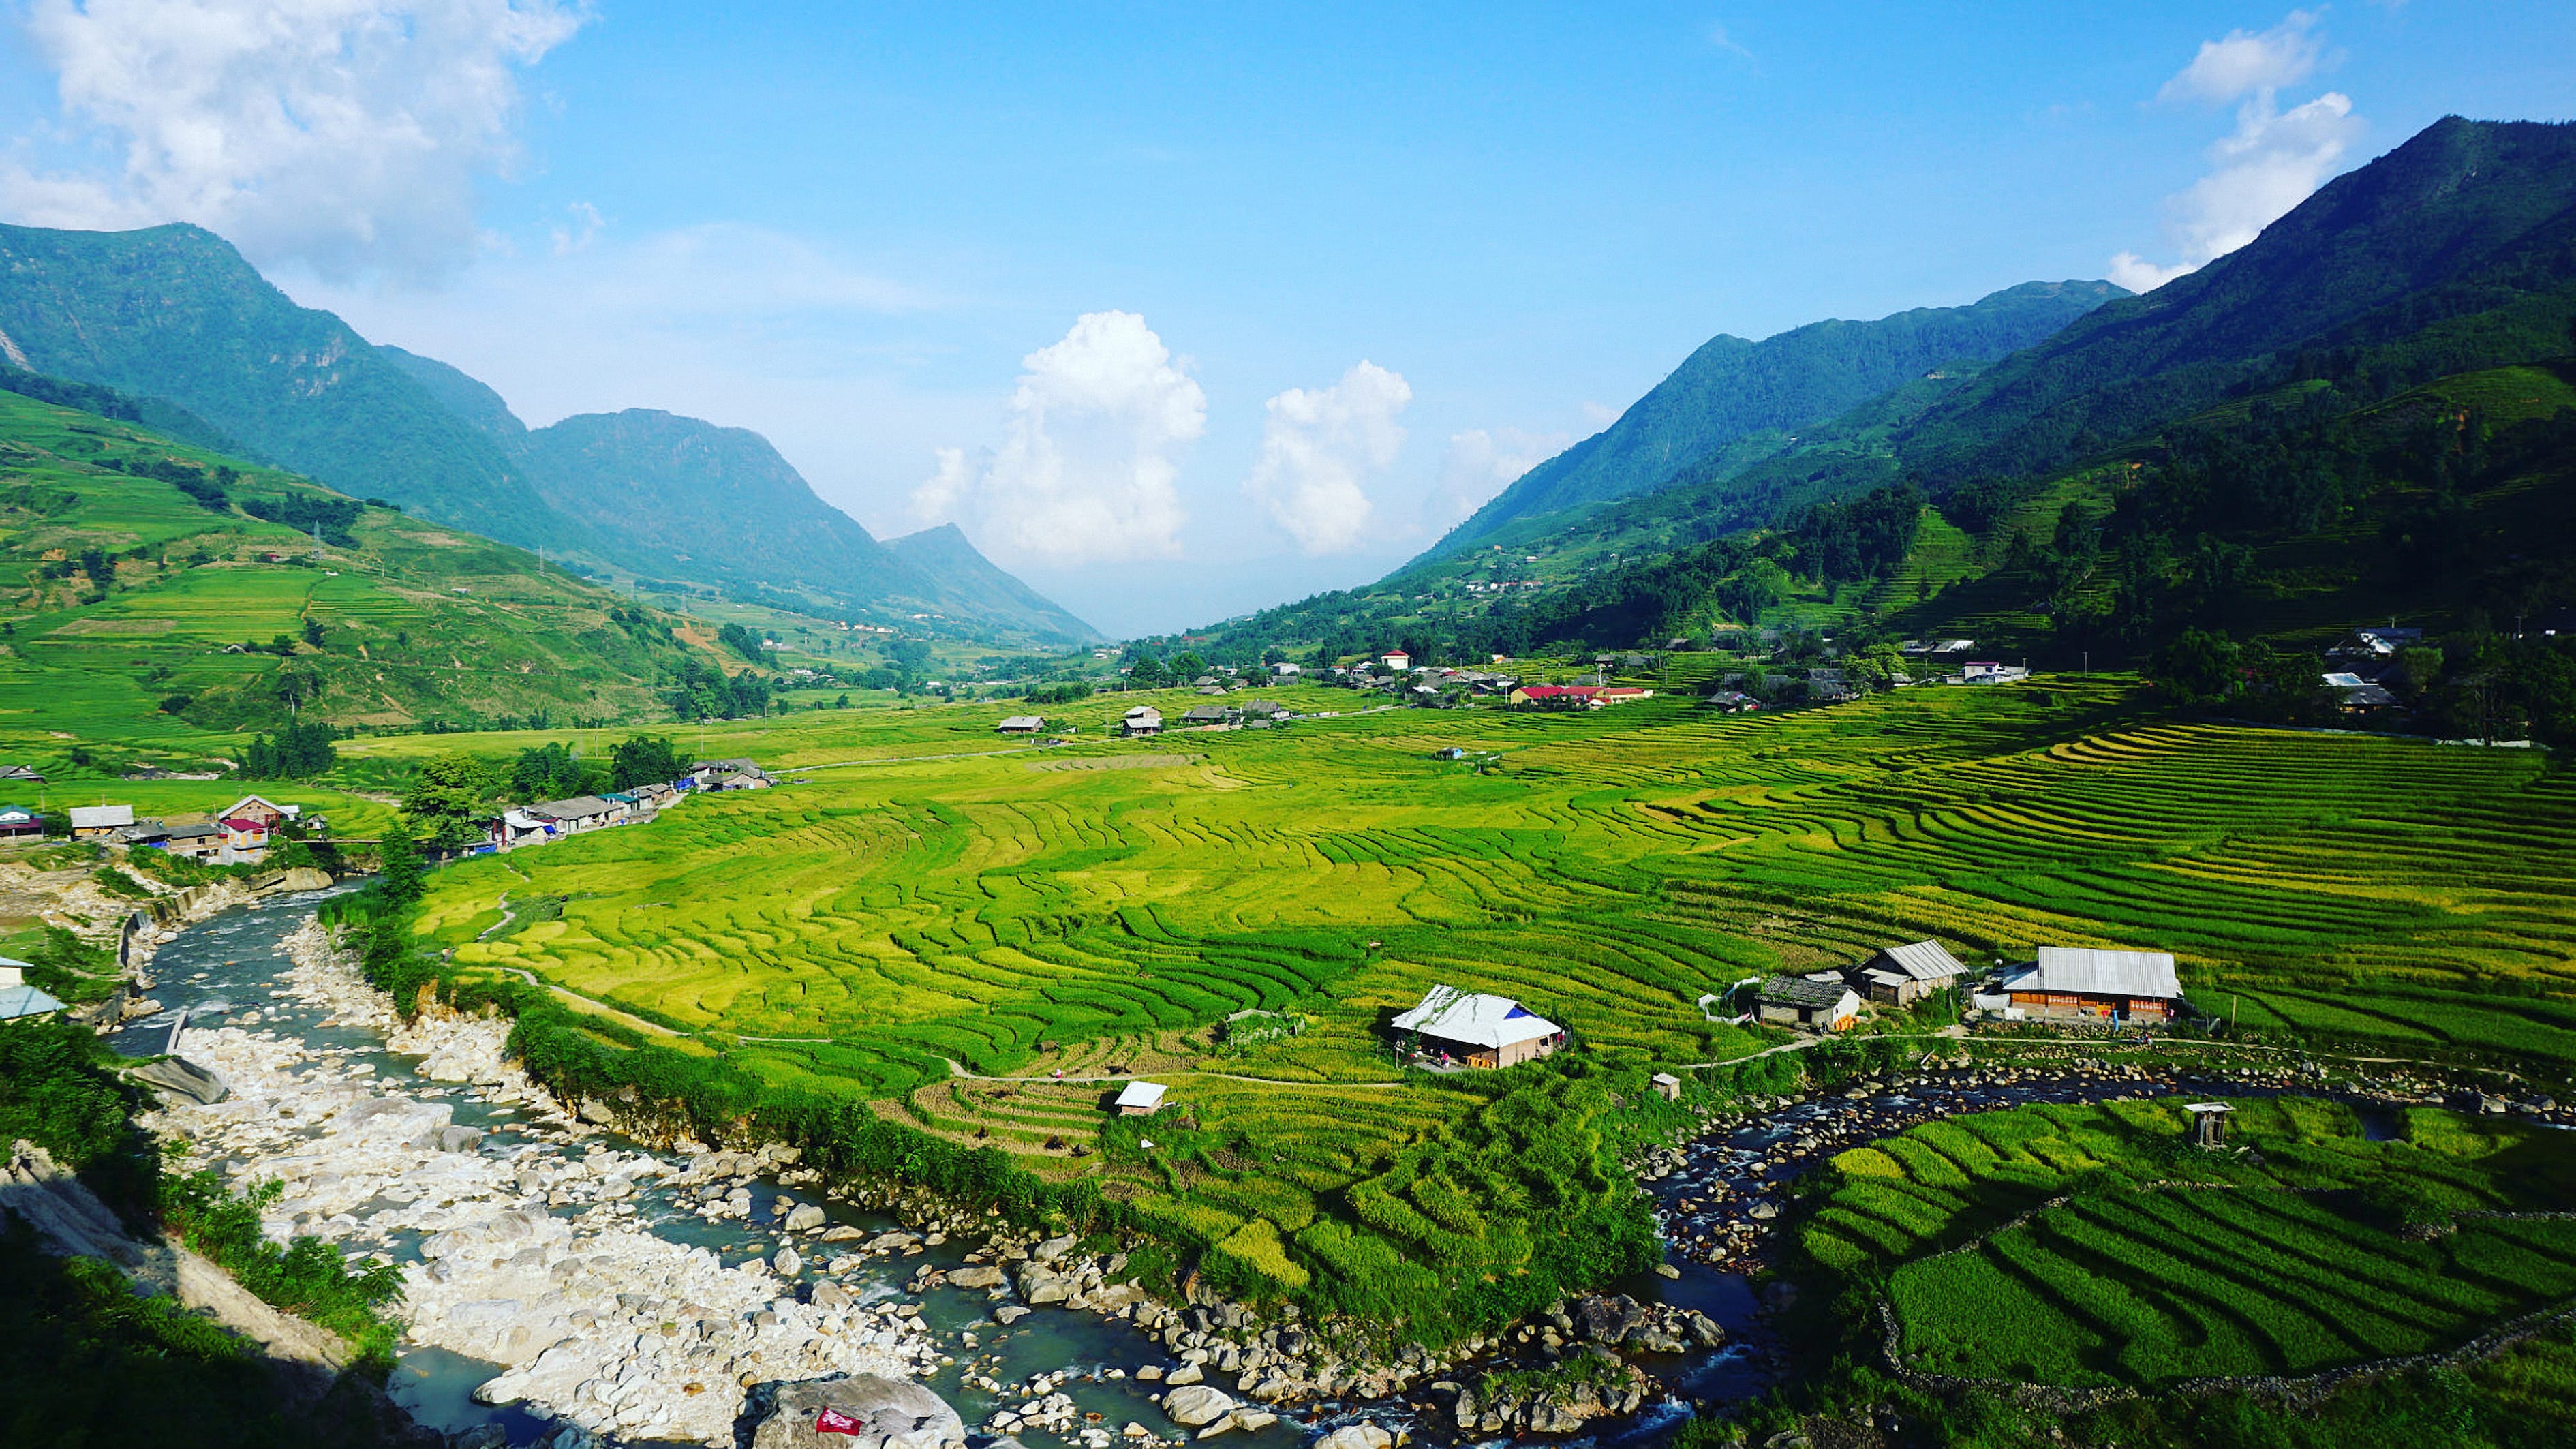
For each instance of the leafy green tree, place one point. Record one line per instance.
(447, 797)
(2199, 667)
(1149, 673)
(313, 632)
(645, 759)
(745, 643)
(405, 876)
(547, 772)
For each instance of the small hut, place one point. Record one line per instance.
(1141, 1099)
(2208, 1123)
(1668, 1086)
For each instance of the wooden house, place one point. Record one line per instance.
(2114, 987)
(1020, 724)
(1903, 975)
(97, 822)
(1477, 1030)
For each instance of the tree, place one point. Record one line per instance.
(1149, 673)
(449, 795)
(2199, 666)
(313, 632)
(646, 759)
(548, 772)
(405, 876)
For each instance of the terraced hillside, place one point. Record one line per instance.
(2088, 1245)
(898, 930)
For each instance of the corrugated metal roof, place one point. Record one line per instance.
(1142, 1094)
(2097, 973)
(1472, 1017)
(101, 817)
(1924, 961)
(18, 1001)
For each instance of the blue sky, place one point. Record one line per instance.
(873, 234)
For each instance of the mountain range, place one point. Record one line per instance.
(173, 317)
(2358, 412)
(1735, 402)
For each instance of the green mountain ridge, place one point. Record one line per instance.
(1734, 402)
(174, 313)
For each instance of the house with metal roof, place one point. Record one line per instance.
(91, 822)
(1144, 719)
(1020, 724)
(17, 822)
(1478, 1030)
(2114, 987)
(1140, 1099)
(17, 998)
(1809, 1003)
(1902, 975)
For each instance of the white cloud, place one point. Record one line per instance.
(343, 134)
(1086, 470)
(1722, 40)
(1599, 415)
(2245, 63)
(584, 229)
(1482, 463)
(1319, 447)
(2271, 162)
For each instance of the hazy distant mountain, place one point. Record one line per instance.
(1735, 401)
(173, 312)
(681, 498)
(968, 581)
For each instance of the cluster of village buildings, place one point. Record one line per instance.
(549, 820)
(238, 834)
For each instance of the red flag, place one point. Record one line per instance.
(833, 1421)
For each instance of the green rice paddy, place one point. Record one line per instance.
(2089, 1246)
(930, 896)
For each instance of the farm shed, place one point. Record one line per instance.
(1141, 1099)
(2071, 984)
(1020, 724)
(1815, 1005)
(1668, 1086)
(1903, 975)
(90, 822)
(1480, 1030)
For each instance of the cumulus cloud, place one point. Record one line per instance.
(2271, 162)
(2244, 62)
(1320, 446)
(343, 134)
(1086, 469)
(1481, 463)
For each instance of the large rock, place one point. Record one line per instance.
(805, 1218)
(976, 1277)
(1039, 1286)
(1197, 1404)
(1356, 1436)
(183, 1078)
(894, 1413)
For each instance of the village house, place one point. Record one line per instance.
(654, 794)
(20, 775)
(245, 841)
(1992, 673)
(145, 832)
(1020, 724)
(18, 1000)
(1477, 1030)
(1144, 719)
(97, 822)
(266, 812)
(580, 813)
(515, 828)
(1733, 701)
(17, 822)
(1396, 659)
(1207, 714)
(1283, 671)
(739, 773)
(1140, 1099)
(1803, 1001)
(1903, 975)
(2073, 984)
(197, 840)
(1580, 694)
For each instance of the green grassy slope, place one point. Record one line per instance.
(174, 312)
(415, 621)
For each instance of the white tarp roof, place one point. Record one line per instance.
(1479, 1020)
(2099, 973)
(18, 1001)
(1142, 1094)
(100, 817)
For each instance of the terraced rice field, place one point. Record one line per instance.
(2088, 1246)
(1006, 914)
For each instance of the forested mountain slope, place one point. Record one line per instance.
(174, 312)
(1734, 401)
